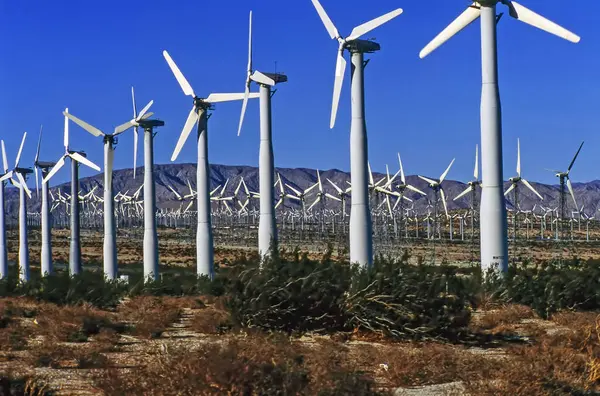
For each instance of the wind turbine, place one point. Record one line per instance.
(21, 174)
(110, 140)
(515, 182)
(3, 251)
(564, 179)
(46, 225)
(494, 244)
(267, 228)
(199, 115)
(77, 157)
(361, 239)
(472, 188)
(402, 187)
(436, 187)
(150, 235)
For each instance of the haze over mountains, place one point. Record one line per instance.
(177, 175)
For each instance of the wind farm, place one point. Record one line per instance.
(302, 224)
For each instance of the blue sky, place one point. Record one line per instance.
(86, 55)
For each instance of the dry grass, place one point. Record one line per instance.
(255, 365)
(150, 316)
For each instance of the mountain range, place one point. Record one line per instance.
(178, 175)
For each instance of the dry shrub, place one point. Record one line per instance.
(255, 365)
(55, 355)
(72, 323)
(150, 316)
(211, 321)
(501, 319)
(418, 364)
(22, 384)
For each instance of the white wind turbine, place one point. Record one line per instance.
(46, 224)
(110, 140)
(199, 115)
(267, 228)
(516, 180)
(494, 244)
(150, 235)
(361, 239)
(24, 192)
(76, 159)
(472, 188)
(438, 191)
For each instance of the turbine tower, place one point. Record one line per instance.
(21, 174)
(3, 251)
(361, 239)
(494, 244)
(46, 267)
(436, 187)
(150, 235)
(110, 140)
(514, 186)
(564, 179)
(472, 188)
(199, 115)
(267, 228)
(76, 159)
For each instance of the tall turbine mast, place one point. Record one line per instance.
(494, 244)
(267, 229)
(199, 116)
(361, 239)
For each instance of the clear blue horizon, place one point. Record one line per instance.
(86, 56)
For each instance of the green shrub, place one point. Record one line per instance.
(550, 286)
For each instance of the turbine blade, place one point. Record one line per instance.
(340, 70)
(331, 29)
(443, 194)
(427, 179)
(66, 131)
(314, 203)
(185, 85)
(228, 97)
(333, 197)
(55, 168)
(372, 24)
(278, 203)
(89, 128)
(244, 104)
(262, 79)
(462, 194)
(37, 181)
(415, 189)
(82, 160)
(20, 150)
(23, 184)
(135, 148)
(4, 159)
(402, 178)
(531, 188)
(6, 176)
(571, 191)
(339, 190)
(250, 44)
(293, 189)
(476, 173)
(574, 158)
(187, 128)
(446, 171)
(518, 157)
(37, 152)
(134, 104)
(465, 19)
(123, 127)
(509, 189)
(529, 17)
(144, 110)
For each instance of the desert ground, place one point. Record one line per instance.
(189, 344)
